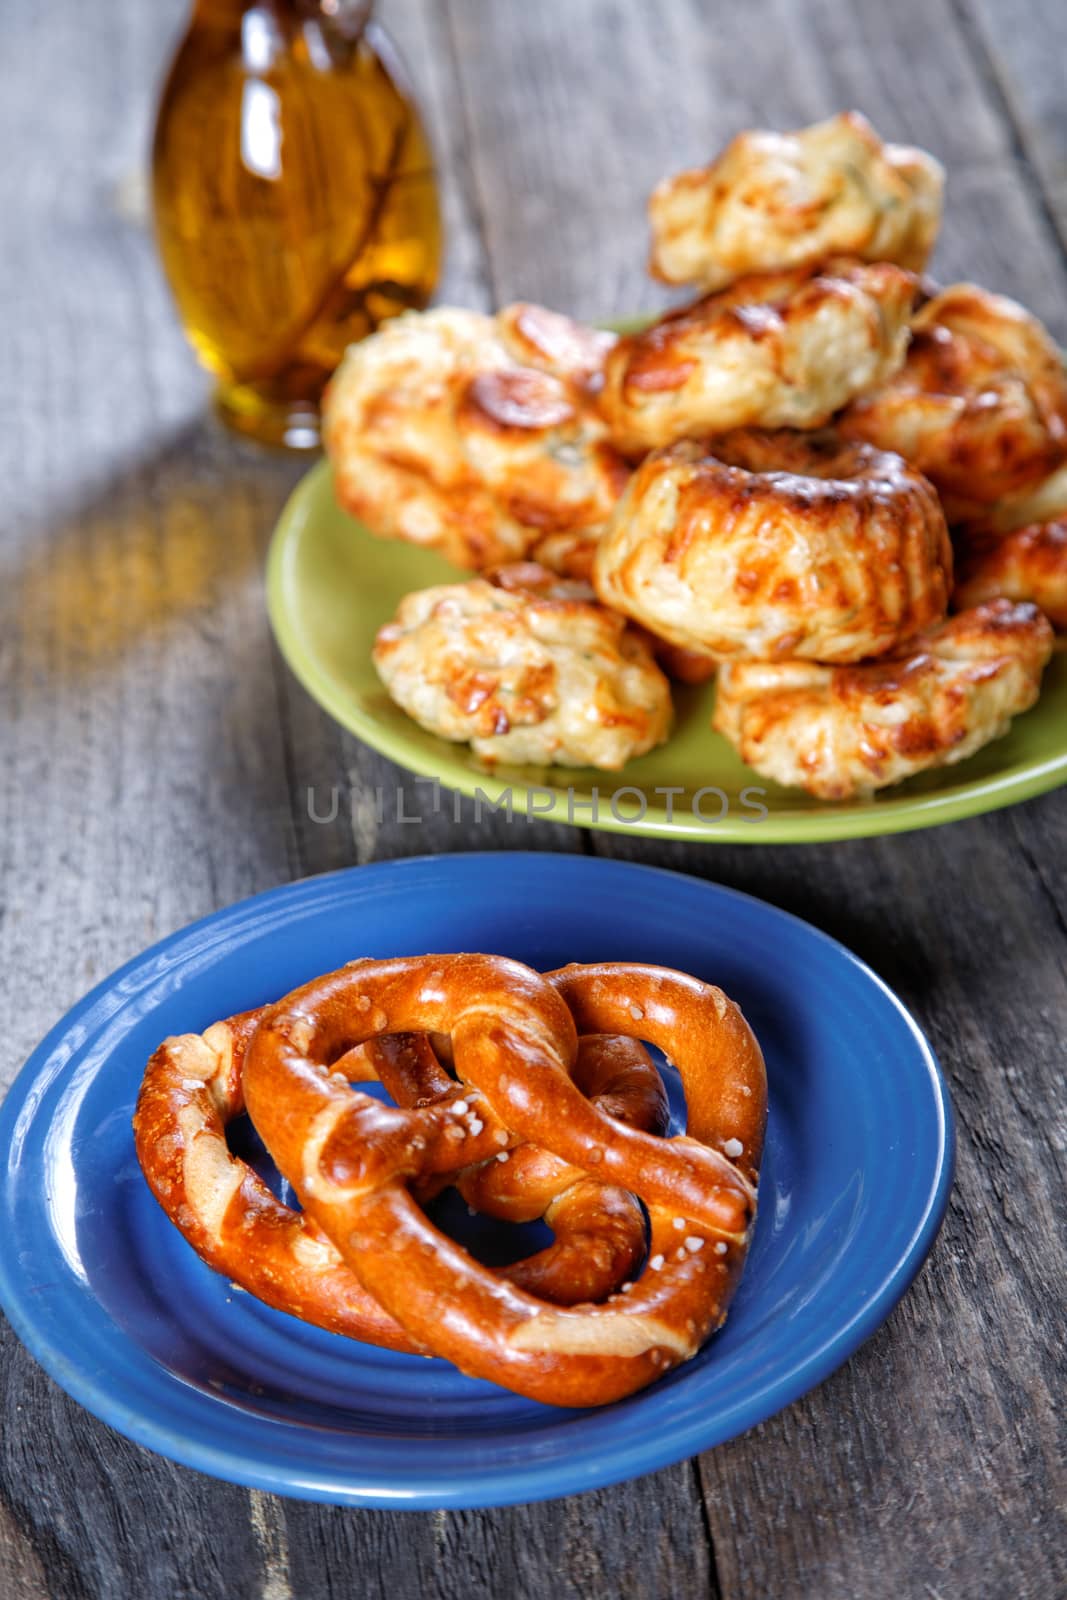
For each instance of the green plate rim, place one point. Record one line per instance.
(856, 820)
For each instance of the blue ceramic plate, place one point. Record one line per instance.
(118, 1308)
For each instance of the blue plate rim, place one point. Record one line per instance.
(501, 1487)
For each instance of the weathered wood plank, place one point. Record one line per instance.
(144, 776)
(591, 1547)
(563, 169)
(1017, 45)
(22, 1571)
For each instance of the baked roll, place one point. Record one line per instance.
(777, 200)
(843, 732)
(528, 669)
(979, 405)
(1027, 564)
(767, 546)
(778, 350)
(476, 436)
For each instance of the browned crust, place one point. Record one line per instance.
(879, 559)
(262, 1245)
(825, 718)
(762, 318)
(980, 404)
(1027, 564)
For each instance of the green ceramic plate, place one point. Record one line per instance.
(331, 585)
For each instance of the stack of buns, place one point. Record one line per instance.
(788, 482)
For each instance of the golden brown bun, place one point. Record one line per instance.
(980, 404)
(774, 200)
(1045, 502)
(839, 732)
(475, 436)
(777, 350)
(774, 545)
(528, 668)
(1028, 564)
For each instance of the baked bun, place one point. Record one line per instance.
(774, 200)
(1027, 564)
(778, 350)
(840, 732)
(475, 436)
(528, 668)
(776, 545)
(979, 405)
(1045, 502)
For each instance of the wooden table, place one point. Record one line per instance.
(158, 757)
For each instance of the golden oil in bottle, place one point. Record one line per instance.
(295, 199)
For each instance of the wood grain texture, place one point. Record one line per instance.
(1017, 45)
(159, 758)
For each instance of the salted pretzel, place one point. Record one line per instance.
(356, 1163)
(192, 1090)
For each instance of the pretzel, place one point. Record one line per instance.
(599, 1229)
(354, 1162)
(192, 1089)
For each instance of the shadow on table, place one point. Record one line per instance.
(163, 542)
